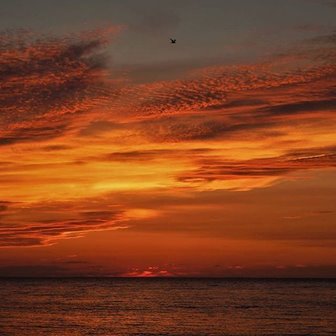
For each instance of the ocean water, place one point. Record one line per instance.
(151, 307)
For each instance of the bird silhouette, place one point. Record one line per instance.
(172, 40)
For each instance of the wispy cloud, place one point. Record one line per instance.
(36, 224)
(72, 133)
(51, 78)
(214, 168)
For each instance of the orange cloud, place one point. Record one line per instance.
(72, 134)
(35, 224)
(49, 77)
(212, 168)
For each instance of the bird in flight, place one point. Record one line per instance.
(173, 40)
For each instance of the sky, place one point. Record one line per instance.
(122, 154)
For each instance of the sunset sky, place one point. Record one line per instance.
(122, 154)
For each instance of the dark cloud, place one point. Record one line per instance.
(212, 168)
(149, 155)
(329, 38)
(196, 127)
(135, 155)
(68, 76)
(49, 77)
(263, 109)
(237, 103)
(215, 86)
(32, 134)
(3, 206)
(184, 130)
(58, 73)
(300, 107)
(99, 127)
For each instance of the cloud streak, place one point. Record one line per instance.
(72, 133)
(217, 169)
(45, 223)
(49, 78)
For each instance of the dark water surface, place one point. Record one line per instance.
(167, 307)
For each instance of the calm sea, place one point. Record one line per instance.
(167, 307)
